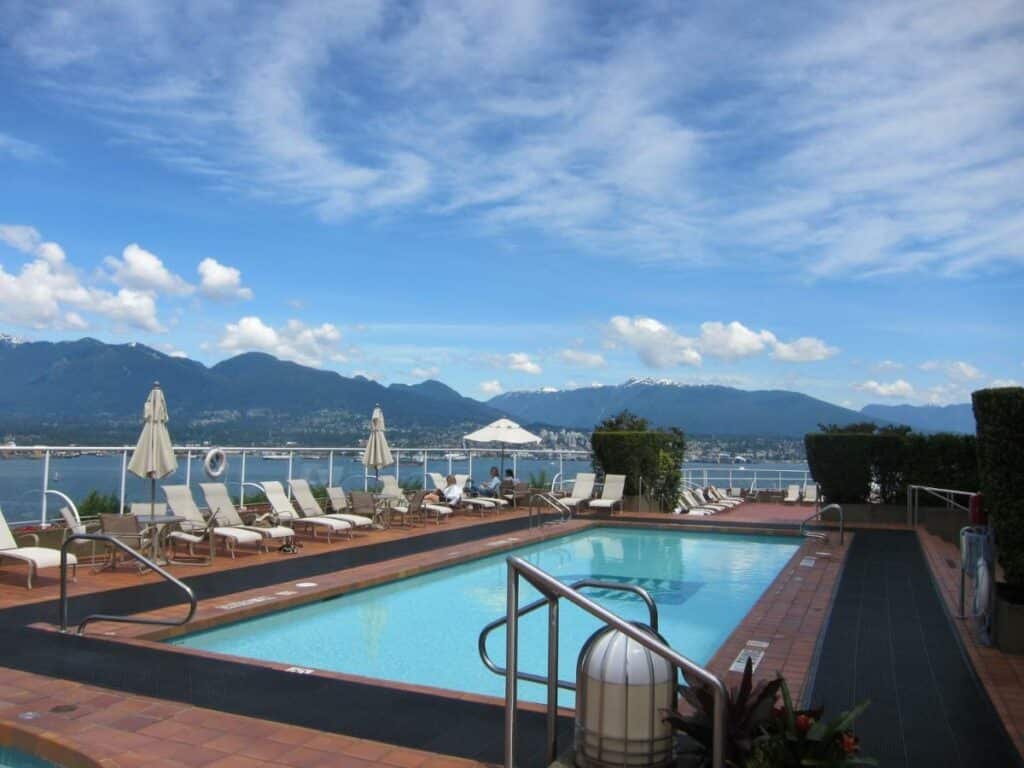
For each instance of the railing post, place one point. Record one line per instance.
(398, 466)
(46, 485)
(469, 453)
(291, 458)
(241, 484)
(188, 469)
(424, 468)
(552, 715)
(561, 470)
(124, 476)
(511, 664)
(330, 469)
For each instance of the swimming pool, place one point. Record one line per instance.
(15, 758)
(423, 630)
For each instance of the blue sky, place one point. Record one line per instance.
(827, 197)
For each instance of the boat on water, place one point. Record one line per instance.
(275, 456)
(456, 457)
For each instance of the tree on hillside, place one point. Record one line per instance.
(623, 421)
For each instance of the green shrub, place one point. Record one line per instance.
(638, 452)
(96, 504)
(888, 458)
(411, 484)
(941, 460)
(841, 462)
(539, 479)
(999, 414)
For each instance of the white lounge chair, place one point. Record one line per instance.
(390, 489)
(35, 557)
(196, 527)
(792, 495)
(715, 496)
(687, 505)
(220, 504)
(691, 502)
(811, 493)
(284, 510)
(582, 490)
(611, 493)
(73, 525)
(702, 501)
(340, 508)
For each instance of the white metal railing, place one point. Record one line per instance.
(952, 499)
(332, 455)
(752, 479)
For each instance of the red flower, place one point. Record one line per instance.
(804, 723)
(848, 742)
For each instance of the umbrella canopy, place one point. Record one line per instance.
(154, 457)
(503, 431)
(377, 453)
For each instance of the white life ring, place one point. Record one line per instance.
(982, 587)
(215, 463)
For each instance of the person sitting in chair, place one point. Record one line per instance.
(451, 494)
(488, 487)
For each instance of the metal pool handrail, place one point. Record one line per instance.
(485, 657)
(819, 513)
(552, 589)
(109, 617)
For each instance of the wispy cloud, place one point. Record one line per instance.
(898, 388)
(19, 149)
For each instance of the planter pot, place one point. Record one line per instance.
(1009, 621)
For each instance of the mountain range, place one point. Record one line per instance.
(86, 390)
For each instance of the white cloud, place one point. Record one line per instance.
(803, 350)
(18, 148)
(491, 387)
(295, 341)
(1005, 383)
(583, 359)
(142, 270)
(661, 347)
(956, 370)
(733, 340)
(431, 372)
(898, 388)
(522, 362)
(887, 365)
(657, 345)
(48, 292)
(219, 281)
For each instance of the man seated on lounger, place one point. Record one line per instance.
(451, 494)
(489, 487)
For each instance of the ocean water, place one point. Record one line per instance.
(424, 629)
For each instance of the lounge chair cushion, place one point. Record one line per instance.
(41, 557)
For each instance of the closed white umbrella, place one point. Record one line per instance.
(505, 432)
(154, 456)
(377, 453)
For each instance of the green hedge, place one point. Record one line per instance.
(844, 464)
(942, 461)
(841, 465)
(999, 414)
(654, 456)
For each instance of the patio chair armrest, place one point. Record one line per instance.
(34, 537)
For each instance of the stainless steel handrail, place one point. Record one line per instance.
(553, 589)
(564, 512)
(643, 594)
(109, 617)
(818, 514)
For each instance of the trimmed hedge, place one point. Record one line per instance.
(844, 464)
(654, 456)
(841, 464)
(999, 414)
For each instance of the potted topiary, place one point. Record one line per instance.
(999, 414)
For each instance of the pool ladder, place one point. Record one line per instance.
(107, 539)
(552, 590)
(548, 501)
(822, 535)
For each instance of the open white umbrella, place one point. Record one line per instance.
(154, 457)
(505, 432)
(377, 453)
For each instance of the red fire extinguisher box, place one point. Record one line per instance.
(976, 509)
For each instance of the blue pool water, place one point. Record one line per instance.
(15, 758)
(424, 629)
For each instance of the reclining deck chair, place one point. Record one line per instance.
(611, 494)
(340, 508)
(582, 490)
(35, 557)
(196, 528)
(284, 510)
(220, 504)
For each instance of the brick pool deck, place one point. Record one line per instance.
(119, 729)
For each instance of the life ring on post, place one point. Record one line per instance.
(215, 463)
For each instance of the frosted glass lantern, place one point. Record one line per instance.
(621, 688)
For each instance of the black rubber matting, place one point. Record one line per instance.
(890, 640)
